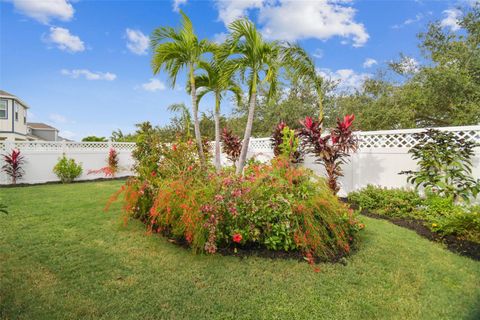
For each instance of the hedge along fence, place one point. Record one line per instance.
(381, 156)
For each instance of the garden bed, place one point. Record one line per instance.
(457, 245)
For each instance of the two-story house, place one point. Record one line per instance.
(13, 118)
(14, 125)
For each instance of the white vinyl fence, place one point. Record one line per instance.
(381, 156)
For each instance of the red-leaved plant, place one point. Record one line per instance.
(112, 168)
(232, 145)
(277, 140)
(13, 165)
(331, 149)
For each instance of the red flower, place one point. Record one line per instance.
(174, 147)
(154, 174)
(237, 237)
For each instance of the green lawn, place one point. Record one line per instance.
(62, 257)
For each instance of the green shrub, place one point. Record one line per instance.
(67, 170)
(277, 206)
(388, 202)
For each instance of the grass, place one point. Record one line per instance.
(62, 257)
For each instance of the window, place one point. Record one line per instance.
(17, 108)
(3, 109)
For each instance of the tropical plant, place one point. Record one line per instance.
(217, 79)
(112, 165)
(13, 165)
(232, 145)
(304, 68)
(185, 119)
(176, 49)
(285, 141)
(333, 149)
(67, 170)
(445, 165)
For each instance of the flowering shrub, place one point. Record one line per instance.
(232, 145)
(13, 165)
(277, 206)
(67, 170)
(331, 149)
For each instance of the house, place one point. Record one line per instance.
(14, 125)
(42, 131)
(13, 118)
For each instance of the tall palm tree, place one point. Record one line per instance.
(253, 57)
(217, 79)
(304, 67)
(174, 50)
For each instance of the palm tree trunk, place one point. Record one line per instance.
(196, 123)
(217, 132)
(248, 128)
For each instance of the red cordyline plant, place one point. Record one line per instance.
(277, 141)
(13, 165)
(331, 149)
(112, 168)
(232, 145)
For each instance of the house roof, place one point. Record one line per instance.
(5, 94)
(40, 126)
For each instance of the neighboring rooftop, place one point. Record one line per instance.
(40, 126)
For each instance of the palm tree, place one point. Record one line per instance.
(253, 57)
(176, 49)
(185, 117)
(303, 66)
(217, 79)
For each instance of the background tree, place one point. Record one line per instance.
(94, 139)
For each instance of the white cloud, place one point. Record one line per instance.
(153, 85)
(409, 21)
(318, 53)
(89, 75)
(347, 80)
(137, 42)
(294, 20)
(64, 40)
(369, 62)
(45, 10)
(219, 37)
(57, 118)
(177, 3)
(450, 19)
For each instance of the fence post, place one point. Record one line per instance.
(64, 147)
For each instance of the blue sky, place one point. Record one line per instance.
(83, 66)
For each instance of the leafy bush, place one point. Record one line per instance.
(447, 218)
(388, 202)
(67, 170)
(333, 149)
(445, 165)
(13, 165)
(276, 206)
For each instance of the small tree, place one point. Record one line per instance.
(445, 165)
(112, 165)
(13, 165)
(333, 149)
